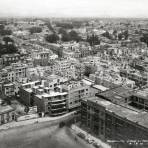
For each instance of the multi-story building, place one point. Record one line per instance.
(53, 103)
(41, 58)
(7, 114)
(1, 63)
(8, 89)
(111, 122)
(52, 81)
(139, 99)
(3, 75)
(10, 58)
(26, 92)
(20, 70)
(65, 68)
(139, 78)
(76, 92)
(14, 72)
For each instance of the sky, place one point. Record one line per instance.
(74, 8)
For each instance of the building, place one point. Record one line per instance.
(3, 75)
(26, 92)
(10, 58)
(14, 72)
(118, 95)
(19, 69)
(52, 81)
(41, 58)
(112, 122)
(139, 99)
(7, 114)
(53, 103)
(139, 78)
(1, 63)
(76, 90)
(8, 89)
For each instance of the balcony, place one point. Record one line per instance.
(57, 101)
(57, 112)
(56, 107)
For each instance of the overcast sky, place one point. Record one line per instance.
(74, 8)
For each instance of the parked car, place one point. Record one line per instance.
(90, 141)
(81, 135)
(96, 145)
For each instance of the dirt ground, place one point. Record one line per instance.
(42, 135)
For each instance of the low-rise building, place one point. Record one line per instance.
(7, 114)
(8, 89)
(10, 58)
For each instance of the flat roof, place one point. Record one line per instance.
(118, 91)
(51, 94)
(28, 90)
(4, 109)
(136, 116)
(142, 93)
(100, 87)
(87, 81)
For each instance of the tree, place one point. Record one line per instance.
(93, 40)
(74, 36)
(144, 38)
(120, 36)
(48, 24)
(35, 30)
(26, 110)
(7, 40)
(89, 69)
(106, 34)
(8, 48)
(2, 27)
(126, 34)
(62, 31)
(53, 38)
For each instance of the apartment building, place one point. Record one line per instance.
(139, 78)
(52, 81)
(19, 69)
(8, 89)
(76, 92)
(41, 58)
(10, 58)
(53, 103)
(26, 92)
(112, 122)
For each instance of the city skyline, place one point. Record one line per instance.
(71, 8)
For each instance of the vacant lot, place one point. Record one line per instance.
(41, 135)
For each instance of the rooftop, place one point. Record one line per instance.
(138, 117)
(142, 93)
(51, 94)
(10, 55)
(100, 87)
(4, 109)
(120, 91)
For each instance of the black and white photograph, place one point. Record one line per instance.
(73, 73)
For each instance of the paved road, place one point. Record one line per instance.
(40, 135)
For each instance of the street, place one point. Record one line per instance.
(40, 135)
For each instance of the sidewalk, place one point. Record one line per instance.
(32, 121)
(78, 130)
